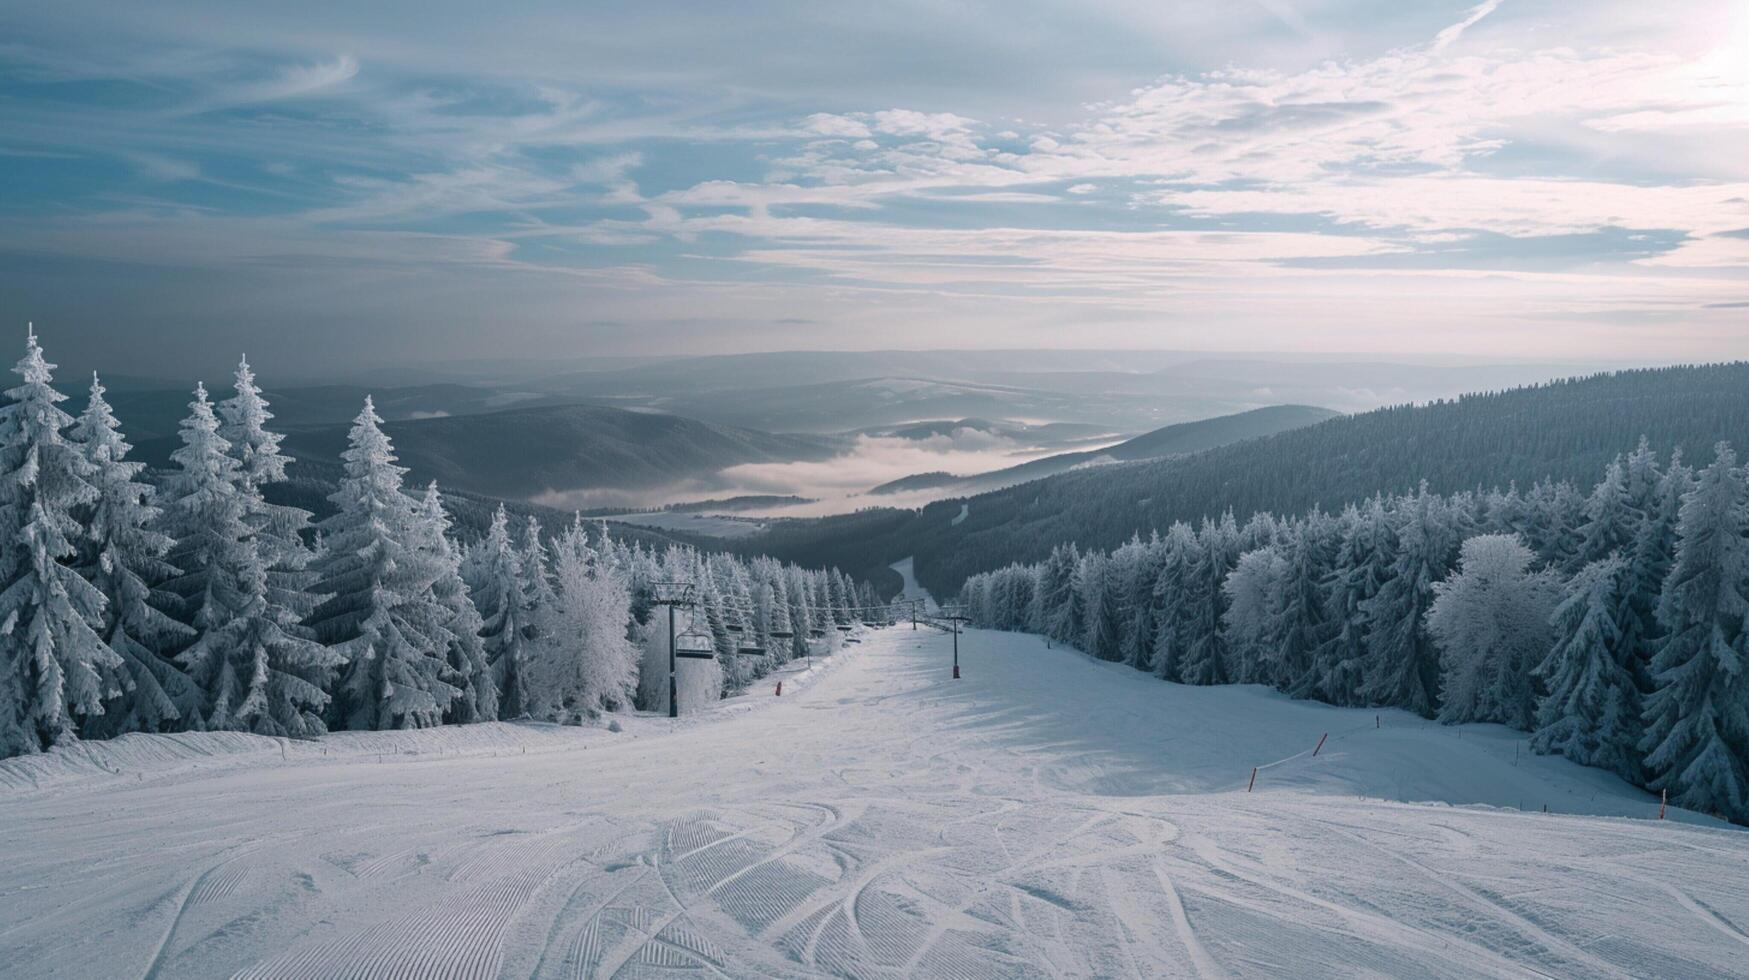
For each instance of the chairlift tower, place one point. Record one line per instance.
(672, 595)
(956, 619)
(694, 643)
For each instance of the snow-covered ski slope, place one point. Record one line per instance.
(1044, 816)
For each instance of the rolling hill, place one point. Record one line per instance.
(1566, 429)
(1171, 440)
(525, 453)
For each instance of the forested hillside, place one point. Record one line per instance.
(519, 453)
(1562, 430)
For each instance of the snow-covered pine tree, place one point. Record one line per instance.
(1591, 711)
(1307, 547)
(1697, 717)
(1490, 620)
(1553, 514)
(1250, 623)
(1365, 561)
(764, 616)
(252, 660)
(1402, 665)
(801, 618)
(258, 668)
(1654, 549)
(1141, 567)
(279, 529)
(778, 618)
(383, 617)
(1098, 637)
(1056, 594)
(586, 664)
(55, 670)
(1612, 516)
(471, 669)
(1170, 600)
(1505, 512)
(123, 555)
(1204, 660)
(502, 598)
(536, 565)
(842, 597)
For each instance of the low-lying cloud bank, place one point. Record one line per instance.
(836, 485)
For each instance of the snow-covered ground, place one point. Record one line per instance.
(908, 573)
(1046, 815)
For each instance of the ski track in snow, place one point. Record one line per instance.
(1046, 816)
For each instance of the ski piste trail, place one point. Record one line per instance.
(1045, 816)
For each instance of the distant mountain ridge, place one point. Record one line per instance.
(523, 453)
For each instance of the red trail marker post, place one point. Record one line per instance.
(1320, 743)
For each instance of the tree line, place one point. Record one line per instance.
(1612, 625)
(186, 600)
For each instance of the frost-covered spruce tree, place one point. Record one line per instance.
(795, 603)
(1648, 566)
(1612, 516)
(1357, 569)
(1401, 668)
(123, 555)
(1251, 621)
(1591, 711)
(1204, 660)
(55, 669)
(1171, 610)
(382, 616)
(502, 598)
(1490, 621)
(258, 669)
(586, 664)
(1306, 547)
(1554, 515)
(536, 564)
(1099, 624)
(1136, 599)
(1697, 717)
(471, 670)
(775, 598)
(1057, 618)
(279, 529)
(842, 596)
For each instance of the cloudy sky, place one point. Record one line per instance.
(335, 183)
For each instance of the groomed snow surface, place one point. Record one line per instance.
(1044, 816)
